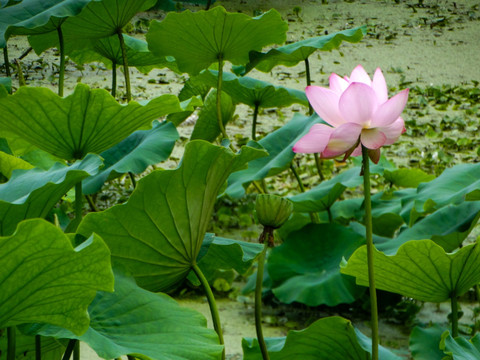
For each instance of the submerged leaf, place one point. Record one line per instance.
(62, 281)
(207, 36)
(158, 233)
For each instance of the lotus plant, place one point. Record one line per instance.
(361, 119)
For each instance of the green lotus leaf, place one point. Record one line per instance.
(206, 36)
(306, 267)
(460, 348)
(206, 127)
(253, 92)
(332, 338)
(133, 321)
(424, 343)
(32, 193)
(36, 17)
(407, 177)
(104, 18)
(86, 121)
(473, 195)
(8, 163)
(52, 349)
(6, 82)
(44, 279)
(108, 51)
(449, 188)
(158, 233)
(447, 227)
(225, 254)
(292, 54)
(134, 154)
(322, 196)
(421, 270)
(279, 146)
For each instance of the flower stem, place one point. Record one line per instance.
(254, 124)
(125, 65)
(454, 305)
(114, 79)
(38, 347)
(212, 303)
(219, 96)
(61, 75)
(370, 249)
(11, 342)
(258, 303)
(7, 63)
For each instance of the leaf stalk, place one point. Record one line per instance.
(126, 72)
(370, 250)
(61, 75)
(212, 304)
(258, 300)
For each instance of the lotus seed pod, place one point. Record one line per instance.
(273, 210)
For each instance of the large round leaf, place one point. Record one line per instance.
(135, 321)
(279, 146)
(108, 51)
(86, 121)
(36, 17)
(44, 279)
(32, 193)
(158, 233)
(322, 196)
(424, 343)
(253, 92)
(306, 267)
(460, 348)
(134, 154)
(292, 54)
(421, 269)
(331, 338)
(197, 40)
(449, 188)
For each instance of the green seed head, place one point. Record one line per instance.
(273, 210)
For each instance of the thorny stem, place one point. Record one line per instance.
(114, 79)
(7, 63)
(61, 75)
(212, 303)
(132, 179)
(370, 250)
(258, 300)
(126, 73)
(454, 305)
(254, 124)
(11, 342)
(21, 78)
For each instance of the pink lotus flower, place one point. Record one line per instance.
(359, 112)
